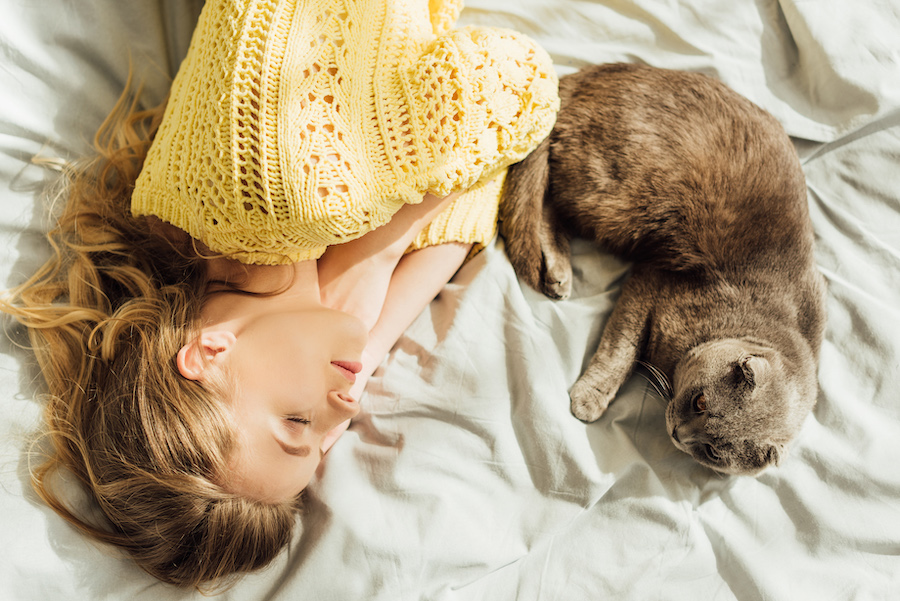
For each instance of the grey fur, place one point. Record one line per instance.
(704, 192)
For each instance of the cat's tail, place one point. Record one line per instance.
(535, 244)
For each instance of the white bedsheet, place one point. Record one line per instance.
(465, 477)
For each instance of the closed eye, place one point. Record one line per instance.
(297, 420)
(709, 452)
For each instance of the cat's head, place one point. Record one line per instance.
(735, 405)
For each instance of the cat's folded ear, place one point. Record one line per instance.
(774, 454)
(751, 369)
(757, 457)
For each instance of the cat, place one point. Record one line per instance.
(704, 193)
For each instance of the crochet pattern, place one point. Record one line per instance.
(294, 125)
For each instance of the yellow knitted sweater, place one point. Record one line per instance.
(296, 124)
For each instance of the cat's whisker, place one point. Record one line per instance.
(659, 380)
(659, 393)
(663, 379)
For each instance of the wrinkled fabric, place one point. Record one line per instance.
(465, 477)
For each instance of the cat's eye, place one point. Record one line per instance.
(699, 403)
(710, 452)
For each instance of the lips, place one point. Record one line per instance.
(349, 369)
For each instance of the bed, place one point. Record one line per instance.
(465, 477)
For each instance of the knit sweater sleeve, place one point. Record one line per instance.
(472, 218)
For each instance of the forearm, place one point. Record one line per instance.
(417, 280)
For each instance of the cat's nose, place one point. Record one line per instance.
(675, 435)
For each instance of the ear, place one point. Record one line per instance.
(194, 358)
(774, 454)
(752, 368)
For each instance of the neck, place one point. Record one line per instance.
(269, 286)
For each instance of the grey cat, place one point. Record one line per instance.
(703, 191)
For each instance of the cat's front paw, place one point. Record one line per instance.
(588, 403)
(556, 260)
(556, 276)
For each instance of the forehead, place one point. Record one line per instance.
(755, 415)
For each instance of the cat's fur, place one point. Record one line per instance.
(704, 192)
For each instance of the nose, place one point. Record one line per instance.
(343, 404)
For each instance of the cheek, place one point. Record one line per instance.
(305, 472)
(671, 416)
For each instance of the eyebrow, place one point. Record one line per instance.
(301, 451)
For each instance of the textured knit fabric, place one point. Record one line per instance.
(296, 124)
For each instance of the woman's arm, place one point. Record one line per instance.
(417, 280)
(354, 277)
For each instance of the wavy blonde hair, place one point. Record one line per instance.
(106, 316)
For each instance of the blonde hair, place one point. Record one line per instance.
(106, 316)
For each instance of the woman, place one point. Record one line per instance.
(217, 298)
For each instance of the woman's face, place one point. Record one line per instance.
(293, 370)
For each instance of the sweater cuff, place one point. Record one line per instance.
(471, 218)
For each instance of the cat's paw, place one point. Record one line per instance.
(556, 259)
(587, 402)
(556, 276)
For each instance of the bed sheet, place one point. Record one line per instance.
(465, 477)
